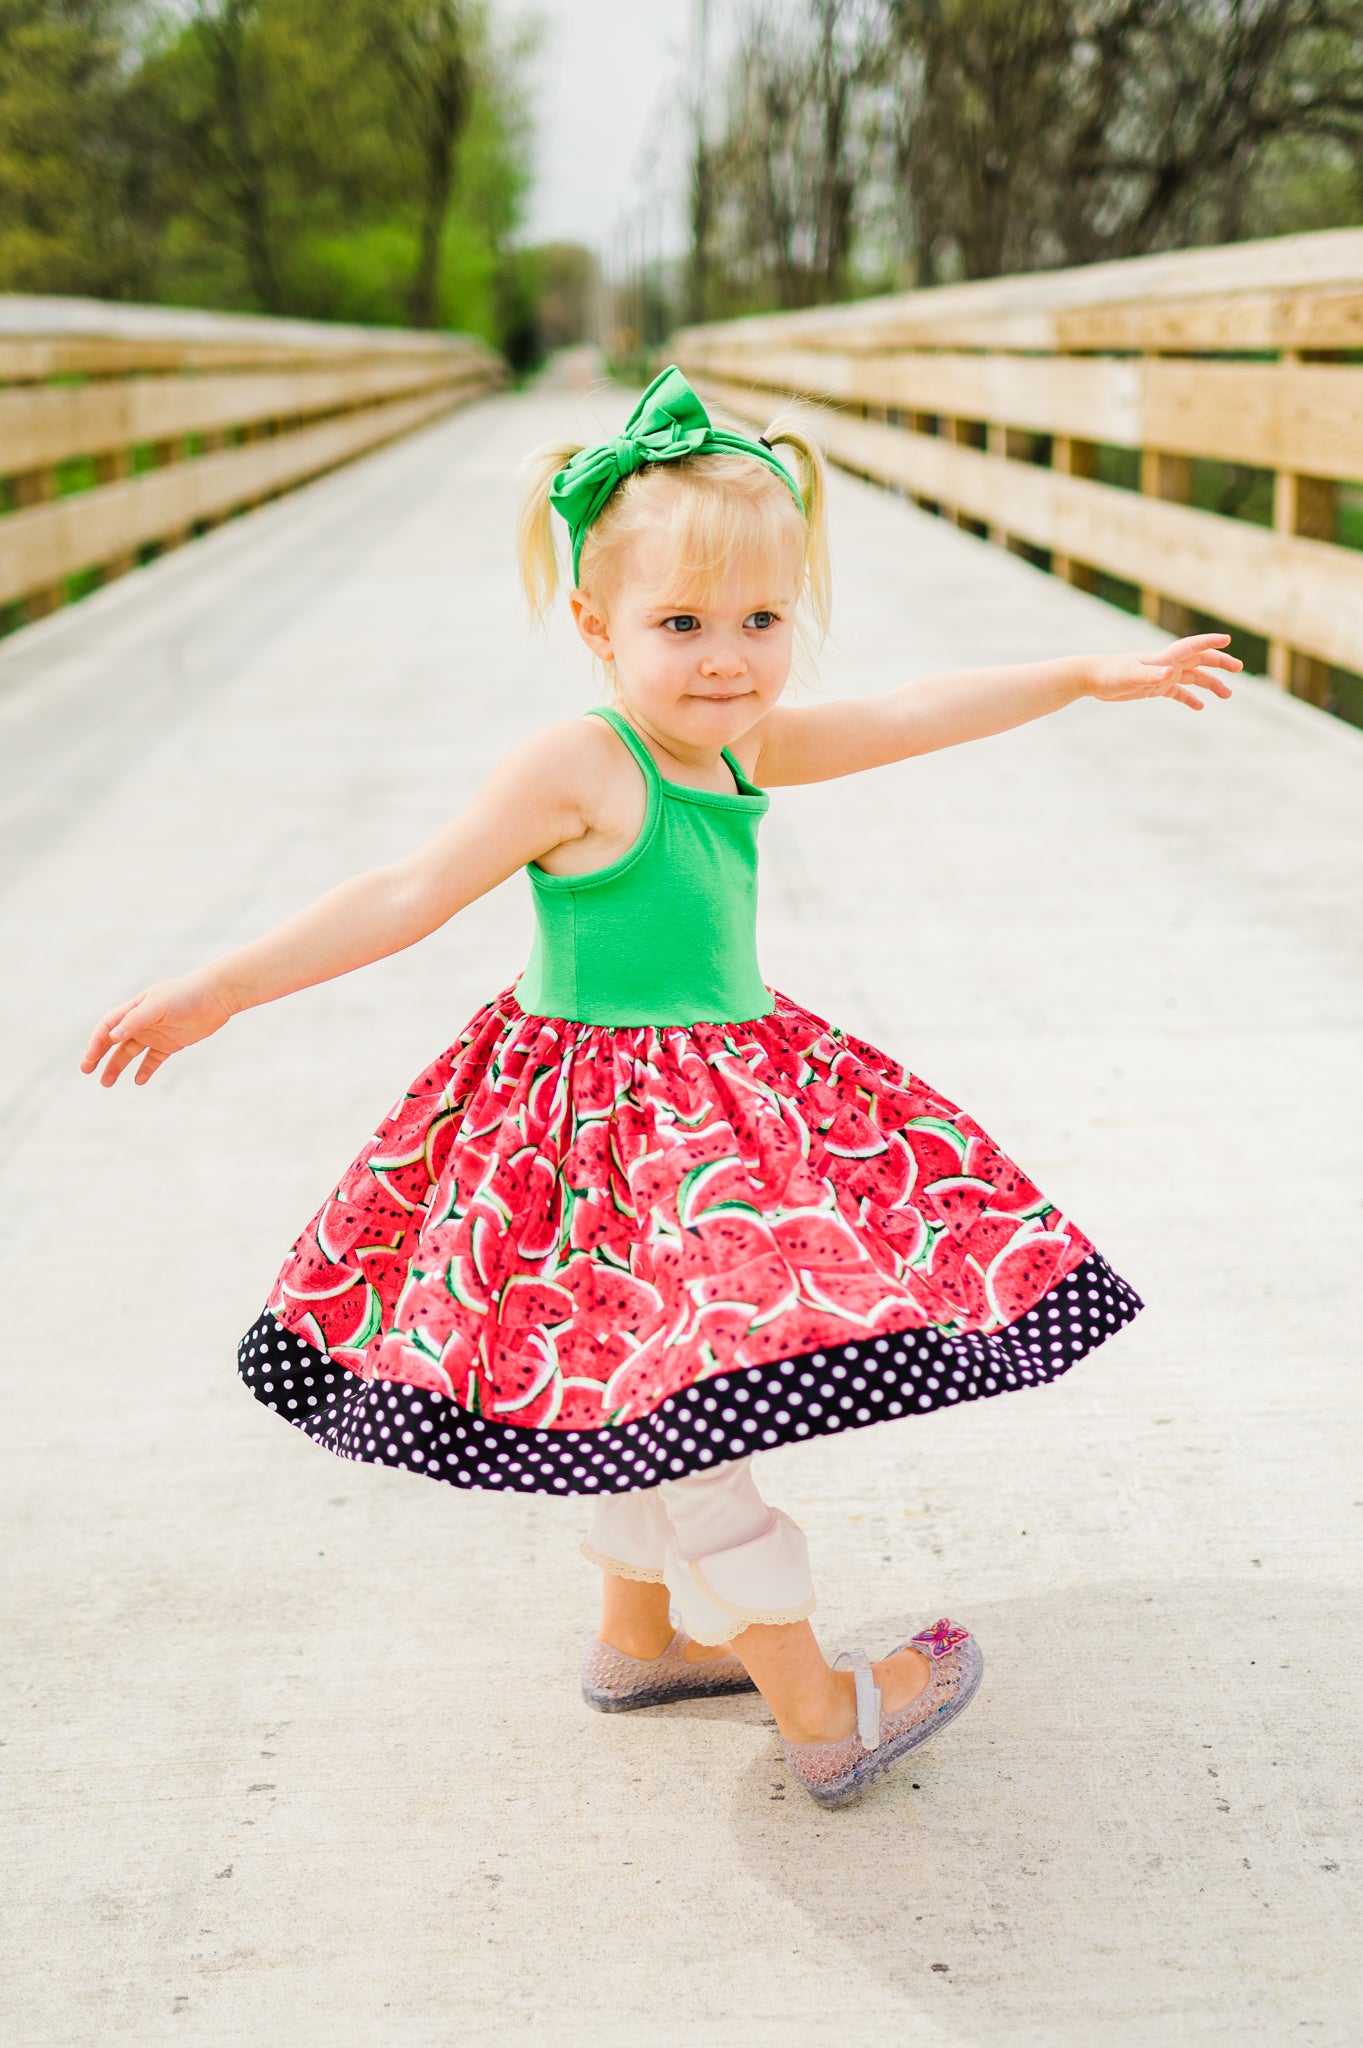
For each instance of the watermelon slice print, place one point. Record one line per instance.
(958, 1200)
(938, 1147)
(992, 1230)
(852, 1135)
(528, 1383)
(1024, 1272)
(560, 1224)
(885, 1177)
(529, 1303)
(813, 1237)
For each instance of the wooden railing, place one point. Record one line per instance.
(126, 429)
(1080, 414)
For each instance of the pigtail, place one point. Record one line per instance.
(811, 475)
(535, 549)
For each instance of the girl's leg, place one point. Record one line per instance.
(634, 1617)
(628, 1540)
(811, 1701)
(740, 1569)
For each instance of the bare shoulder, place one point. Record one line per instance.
(565, 760)
(573, 778)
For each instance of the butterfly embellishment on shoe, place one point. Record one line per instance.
(941, 1638)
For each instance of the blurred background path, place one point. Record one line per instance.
(295, 1748)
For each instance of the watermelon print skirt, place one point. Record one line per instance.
(577, 1259)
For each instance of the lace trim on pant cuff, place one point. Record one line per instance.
(648, 1574)
(776, 1618)
(772, 1616)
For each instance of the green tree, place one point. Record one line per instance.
(340, 159)
(69, 214)
(426, 45)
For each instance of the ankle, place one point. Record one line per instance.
(824, 1715)
(634, 1617)
(644, 1640)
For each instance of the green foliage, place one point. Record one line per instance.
(67, 178)
(357, 160)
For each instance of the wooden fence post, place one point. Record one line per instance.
(1074, 458)
(996, 441)
(1305, 505)
(38, 487)
(111, 468)
(925, 423)
(958, 432)
(1166, 476)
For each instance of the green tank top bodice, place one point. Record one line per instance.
(666, 934)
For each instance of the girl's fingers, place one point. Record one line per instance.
(101, 1038)
(122, 1056)
(1193, 643)
(151, 1061)
(134, 1017)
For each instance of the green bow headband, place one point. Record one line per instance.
(667, 424)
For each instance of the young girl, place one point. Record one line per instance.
(648, 1215)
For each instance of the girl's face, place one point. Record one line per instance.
(698, 672)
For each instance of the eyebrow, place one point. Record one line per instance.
(691, 609)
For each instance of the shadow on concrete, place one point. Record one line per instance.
(1128, 1798)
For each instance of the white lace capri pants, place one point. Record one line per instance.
(726, 1558)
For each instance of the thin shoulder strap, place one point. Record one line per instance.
(631, 739)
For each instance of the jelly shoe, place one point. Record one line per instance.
(834, 1773)
(616, 1684)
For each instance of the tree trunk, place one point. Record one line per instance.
(247, 184)
(422, 43)
(423, 303)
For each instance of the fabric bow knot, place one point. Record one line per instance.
(668, 424)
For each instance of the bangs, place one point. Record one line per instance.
(701, 519)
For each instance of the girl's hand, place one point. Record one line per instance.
(1194, 663)
(162, 1020)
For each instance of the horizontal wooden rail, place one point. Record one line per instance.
(1294, 292)
(129, 449)
(1301, 416)
(51, 541)
(52, 423)
(52, 337)
(992, 402)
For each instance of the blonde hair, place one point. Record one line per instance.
(716, 506)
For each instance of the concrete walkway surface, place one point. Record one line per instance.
(294, 1752)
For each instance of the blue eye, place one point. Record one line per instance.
(683, 622)
(761, 620)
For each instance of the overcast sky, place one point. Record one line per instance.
(609, 121)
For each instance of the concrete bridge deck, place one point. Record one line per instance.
(294, 1751)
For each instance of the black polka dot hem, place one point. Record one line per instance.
(387, 1422)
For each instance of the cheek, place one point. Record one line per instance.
(670, 651)
(777, 650)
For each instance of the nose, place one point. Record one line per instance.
(724, 664)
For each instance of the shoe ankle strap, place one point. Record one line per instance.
(867, 1692)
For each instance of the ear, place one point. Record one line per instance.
(590, 624)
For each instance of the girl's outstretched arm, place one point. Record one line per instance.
(813, 743)
(540, 795)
